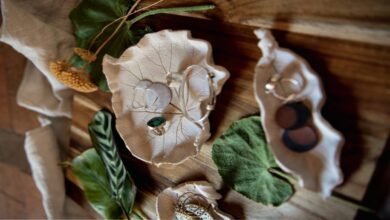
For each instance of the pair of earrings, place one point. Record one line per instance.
(294, 117)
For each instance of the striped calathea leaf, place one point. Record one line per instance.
(121, 184)
(103, 177)
(91, 174)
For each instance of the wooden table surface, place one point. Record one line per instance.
(346, 42)
(19, 197)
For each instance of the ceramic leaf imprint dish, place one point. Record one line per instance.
(283, 79)
(196, 199)
(163, 91)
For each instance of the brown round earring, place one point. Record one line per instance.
(298, 136)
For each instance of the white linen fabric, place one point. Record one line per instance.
(36, 93)
(43, 154)
(42, 32)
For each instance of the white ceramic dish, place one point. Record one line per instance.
(146, 82)
(317, 169)
(207, 196)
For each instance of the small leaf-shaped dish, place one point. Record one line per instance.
(163, 91)
(199, 196)
(285, 74)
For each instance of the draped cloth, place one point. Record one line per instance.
(42, 32)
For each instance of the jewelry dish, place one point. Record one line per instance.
(164, 89)
(282, 80)
(191, 200)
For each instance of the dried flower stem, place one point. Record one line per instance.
(118, 27)
(103, 29)
(143, 15)
(149, 6)
(132, 11)
(121, 18)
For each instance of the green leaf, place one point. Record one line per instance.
(91, 173)
(88, 19)
(245, 163)
(121, 184)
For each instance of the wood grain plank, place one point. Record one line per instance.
(5, 121)
(377, 195)
(356, 86)
(358, 10)
(13, 117)
(353, 20)
(355, 77)
(303, 205)
(19, 197)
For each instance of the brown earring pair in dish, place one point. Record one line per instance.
(299, 135)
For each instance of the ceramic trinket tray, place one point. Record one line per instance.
(190, 200)
(164, 89)
(290, 96)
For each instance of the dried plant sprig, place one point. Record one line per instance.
(74, 78)
(132, 11)
(118, 27)
(120, 19)
(148, 6)
(85, 54)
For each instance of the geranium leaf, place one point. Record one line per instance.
(88, 19)
(245, 163)
(121, 184)
(91, 174)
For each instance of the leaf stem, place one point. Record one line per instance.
(170, 10)
(138, 214)
(65, 164)
(123, 209)
(293, 181)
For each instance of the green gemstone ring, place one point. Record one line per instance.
(157, 124)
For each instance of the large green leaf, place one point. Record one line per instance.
(91, 174)
(121, 185)
(246, 164)
(88, 19)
